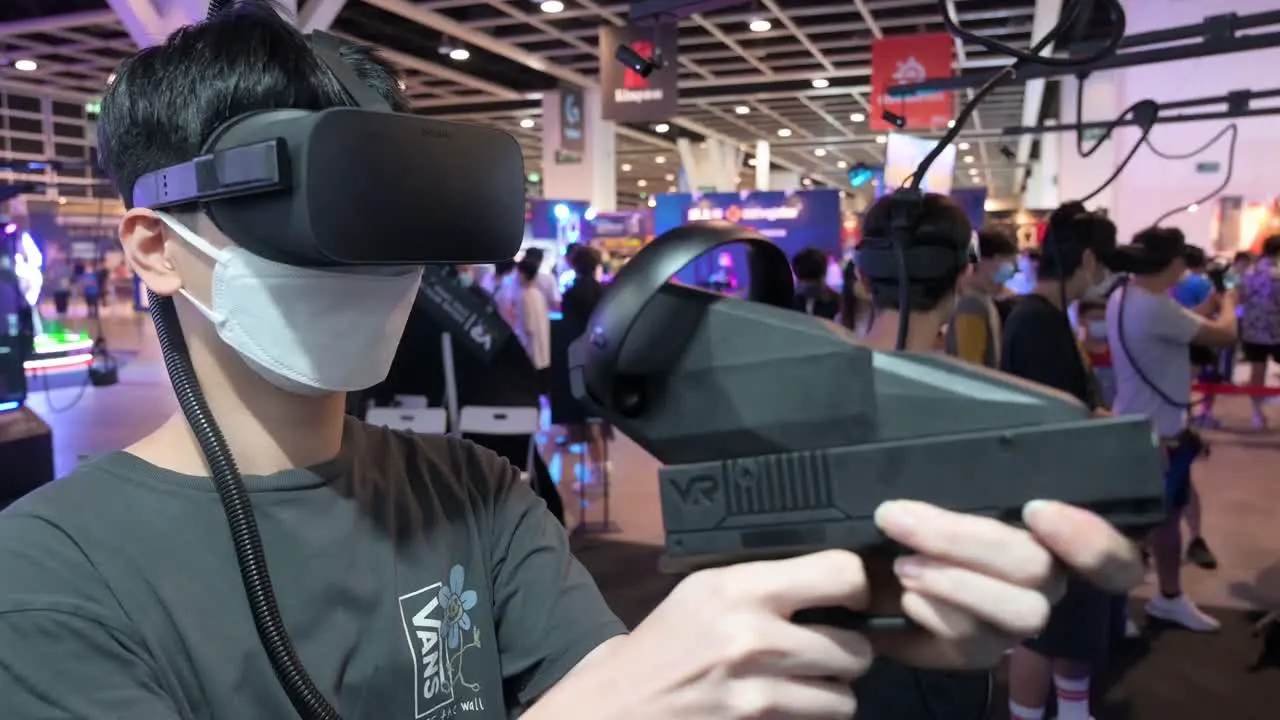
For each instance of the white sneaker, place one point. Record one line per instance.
(1181, 611)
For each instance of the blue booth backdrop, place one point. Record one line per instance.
(974, 203)
(791, 220)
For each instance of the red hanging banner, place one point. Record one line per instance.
(904, 59)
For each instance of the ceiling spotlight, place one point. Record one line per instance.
(626, 167)
(459, 54)
(642, 182)
(759, 24)
(806, 181)
(881, 139)
(751, 162)
(527, 123)
(784, 132)
(1193, 207)
(551, 6)
(820, 152)
(660, 159)
(951, 123)
(842, 164)
(742, 110)
(857, 117)
(25, 65)
(661, 127)
(673, 188)
(820, 83)
(968, 158)
(651, 201)
(963, 146)
(669, 177)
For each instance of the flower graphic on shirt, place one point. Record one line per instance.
(456, 601)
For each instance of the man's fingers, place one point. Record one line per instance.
(1012, 609)
(815, 651)
(981, 544)
(805, 699)
(948, 637)
(1086, 543)
(831, 578)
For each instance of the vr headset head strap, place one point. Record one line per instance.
(328, 48)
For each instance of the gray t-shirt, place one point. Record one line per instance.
(120, 596)
(1157, 336)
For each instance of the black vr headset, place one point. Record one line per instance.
(356, 185)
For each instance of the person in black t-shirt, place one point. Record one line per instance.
(1040, 345)
(813, 295)
(578, 303)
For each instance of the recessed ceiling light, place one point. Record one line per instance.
(968, 158)
(842, 164)
(751, 162)
(527, 122)
(626, 167)
(660, 159)
(25, 65)
(661, 127)
(858, 117)
(820, 83)
(742, 110)
(669, 177)
(951, 123)
(881, 139)
(642, 182)
(651, 201)
(551, 6)
(820, 152)
(963, 146)
(459, 54)
(784, 132)
(759, 25)
(673, 188)
(806, 181)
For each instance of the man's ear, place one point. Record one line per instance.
(143, 240)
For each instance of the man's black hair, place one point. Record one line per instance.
(1197, 258)
(810, 265)
(1072, 230)
(584, 260)
(504, 267)
(1271, 247)
(535, 255)
(997, 241)
(528, 268)
(1244, 256)
(166, 101)
(941, 223)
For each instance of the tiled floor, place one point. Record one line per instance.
(1176, 675)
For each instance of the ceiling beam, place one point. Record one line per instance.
(1047, 15)
(458, 31)
(319, 14)
(51, 23)
(142, 20)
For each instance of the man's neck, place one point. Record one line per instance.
(267, 429)
(1151, 283)
(922, 331)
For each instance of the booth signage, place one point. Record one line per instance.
(572, 123)
(908, 59)
(620, 225)
(473, 323)
(627, 96)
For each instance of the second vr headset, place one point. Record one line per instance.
(359, 185)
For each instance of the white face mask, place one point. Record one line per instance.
(305, 330)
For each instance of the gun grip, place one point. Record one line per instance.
(847, 619)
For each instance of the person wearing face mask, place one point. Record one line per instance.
(1040, 345)
(1091, 317)
(813, 295)
(974, 332)
(418, 576)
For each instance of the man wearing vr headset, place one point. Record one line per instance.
(418, 577)
(1150, 336)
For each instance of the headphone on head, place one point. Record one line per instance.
(640, 280)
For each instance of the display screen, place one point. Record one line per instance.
(902, 156)
(563, 221)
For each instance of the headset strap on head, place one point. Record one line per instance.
(328, 48)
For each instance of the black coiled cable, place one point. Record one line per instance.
(306, 698)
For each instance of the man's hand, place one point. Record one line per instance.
(722, 646)
(978, 586)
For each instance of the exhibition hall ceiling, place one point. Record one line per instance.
(754, 71)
